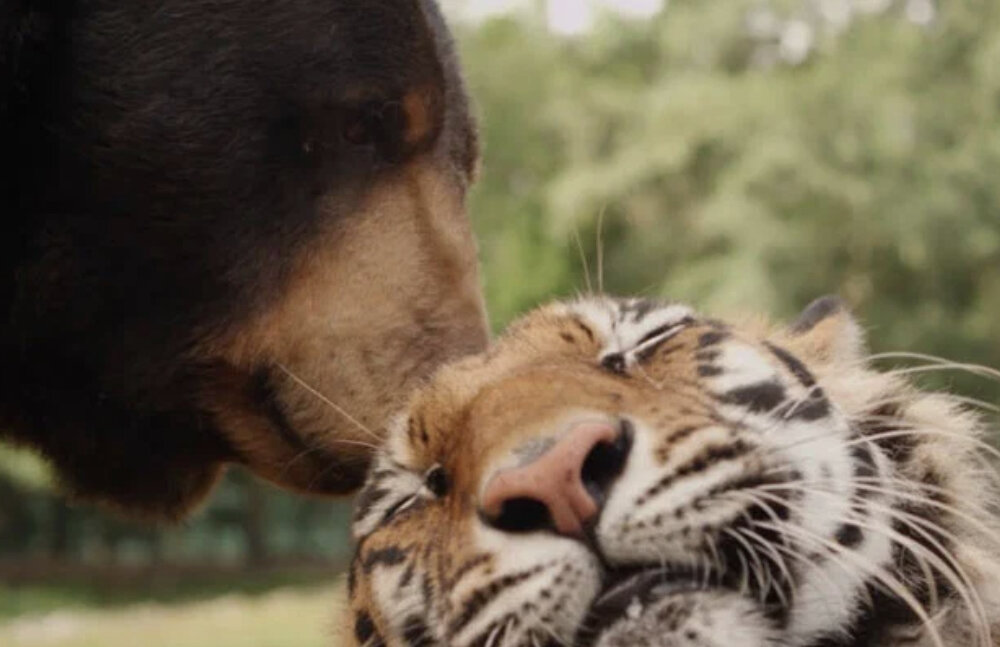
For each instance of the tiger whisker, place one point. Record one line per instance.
(952, 570)
(969, 369)
(790, 549)
(886, 435)
(323, 398)
(583, 261)
(770, 512)
(507, 632)
(716, 559)
(943, 363)
(864, 523)
(791, 552)
(759, 495)
(744, 566)
(861, 484)
(951, 398)
(546, 627)
(930, 431)
(987, 455)
(880, 575)
(925, 527)
(959, 580)
(600, 249)
(775, 557)
(491, 639)
(975, 403)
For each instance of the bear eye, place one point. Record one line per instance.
(436, 481)
(359, 127)
(378, 125)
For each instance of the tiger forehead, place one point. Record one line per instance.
(551, 360)
(529, 385)
(540, 339)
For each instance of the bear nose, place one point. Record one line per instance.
(563, 486)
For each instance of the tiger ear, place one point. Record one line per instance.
(826, 331)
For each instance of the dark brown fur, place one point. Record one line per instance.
(205, 198)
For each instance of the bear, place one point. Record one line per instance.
(235, 233)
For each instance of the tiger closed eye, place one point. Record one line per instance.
(436, 481)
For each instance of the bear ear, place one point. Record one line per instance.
(826, 331)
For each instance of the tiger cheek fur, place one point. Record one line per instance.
(626, 472)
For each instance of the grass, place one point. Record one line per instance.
(286, 617)
(102, 589)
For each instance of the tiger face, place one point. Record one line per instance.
(630, 473)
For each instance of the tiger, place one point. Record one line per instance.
(626, 472)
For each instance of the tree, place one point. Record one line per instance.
(736, 180)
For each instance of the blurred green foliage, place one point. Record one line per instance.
(246, 523)
(740, 155)
(735, 180)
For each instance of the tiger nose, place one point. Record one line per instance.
(564, 486)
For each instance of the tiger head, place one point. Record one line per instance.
(630, 473)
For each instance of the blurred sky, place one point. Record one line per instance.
(575, 17)
(564, 16)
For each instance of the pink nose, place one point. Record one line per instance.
(557, 481)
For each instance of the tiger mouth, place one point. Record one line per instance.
(627, 593)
